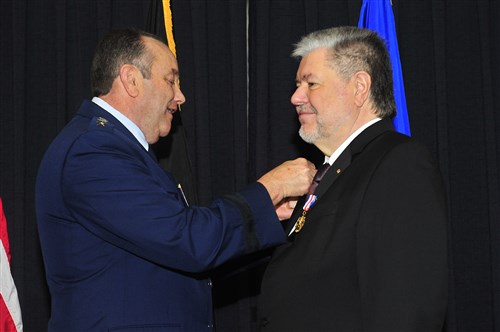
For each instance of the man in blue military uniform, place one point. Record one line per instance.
(122, 249)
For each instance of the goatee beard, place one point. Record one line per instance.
(308, 137)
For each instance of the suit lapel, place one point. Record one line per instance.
(341, 164)
(351, 152)
(295, 215)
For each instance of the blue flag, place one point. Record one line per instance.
(377, 15)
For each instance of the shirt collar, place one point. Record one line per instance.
(331, 159)
(132, 127)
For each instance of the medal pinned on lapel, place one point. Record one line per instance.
(300, 222)
(311, 199)
(307, 206)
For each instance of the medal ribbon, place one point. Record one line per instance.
(311, 199)
(310, 202)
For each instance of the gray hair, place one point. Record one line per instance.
(350, 50)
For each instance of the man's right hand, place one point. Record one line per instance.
(290, 179)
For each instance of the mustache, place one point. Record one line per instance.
(174, 110)
(302, 108)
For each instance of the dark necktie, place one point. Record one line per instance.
(311, 199)
(317, 178)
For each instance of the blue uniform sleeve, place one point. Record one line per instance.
(119, 194)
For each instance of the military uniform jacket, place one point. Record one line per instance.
(121, 249)
(372, 255)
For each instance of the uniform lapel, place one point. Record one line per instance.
(90, 110)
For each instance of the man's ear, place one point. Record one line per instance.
(131, 79)
(363, 83)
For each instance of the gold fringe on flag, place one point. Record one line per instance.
(169, 27)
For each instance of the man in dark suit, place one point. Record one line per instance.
(122, 249)
(367, 249)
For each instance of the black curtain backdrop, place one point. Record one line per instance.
(238, 121)
(211, 50)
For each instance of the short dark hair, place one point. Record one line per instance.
(352, 49)
(119, 47)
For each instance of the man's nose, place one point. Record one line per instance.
(299, 97)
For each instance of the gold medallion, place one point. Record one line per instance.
(300, 222)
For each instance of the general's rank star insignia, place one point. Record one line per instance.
(101, 121)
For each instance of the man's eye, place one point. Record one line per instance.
(311, 84)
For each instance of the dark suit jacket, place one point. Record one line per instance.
(372, 254)
(121, 249)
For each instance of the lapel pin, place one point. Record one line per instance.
(101, 121)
